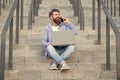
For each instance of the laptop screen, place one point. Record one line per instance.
(63, 38)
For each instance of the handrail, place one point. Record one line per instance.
(9, 25)
(115, 29)
(10, 17)
(111, 5)
(78, 11)
(33, 11)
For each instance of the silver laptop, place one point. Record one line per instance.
(63, 38)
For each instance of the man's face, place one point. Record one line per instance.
(55, 15)
(56, 18)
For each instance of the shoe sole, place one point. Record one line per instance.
(63, 70)
(53, 69)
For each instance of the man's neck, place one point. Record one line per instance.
(54, 24)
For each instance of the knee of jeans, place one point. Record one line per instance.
(72, 48)
(50, 48)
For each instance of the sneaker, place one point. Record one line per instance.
(65, 66)
(53, 67)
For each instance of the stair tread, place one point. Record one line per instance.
(87, 62)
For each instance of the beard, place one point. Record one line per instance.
(58, 20)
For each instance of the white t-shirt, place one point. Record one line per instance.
(55, 28)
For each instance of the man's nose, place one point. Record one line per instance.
(58, 15)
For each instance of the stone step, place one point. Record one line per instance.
(76, 73)
(45, 67)
(6, 11)
(4, 14)
(54, 3)
(65, 11)
(44, 21)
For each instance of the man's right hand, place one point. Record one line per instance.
(49, 44)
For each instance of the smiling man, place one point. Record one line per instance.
(57, 53)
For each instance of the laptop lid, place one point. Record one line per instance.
(63, 38)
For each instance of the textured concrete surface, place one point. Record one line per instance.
(87, 62)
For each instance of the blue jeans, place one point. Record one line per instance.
(59, 54)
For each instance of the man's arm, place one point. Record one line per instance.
(45, 38)
(71, 26)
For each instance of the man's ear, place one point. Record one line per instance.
(51, 18)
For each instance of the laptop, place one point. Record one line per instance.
(63, 38)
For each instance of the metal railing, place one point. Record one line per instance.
(31, 14)
(0, 7)
(78, 11)
(111, 5)
(33, 11)
(114, 27)
(3, 2)
(9, 25)
(119, 7)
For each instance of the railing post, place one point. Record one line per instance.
(73, 5)
(80, 15)
(108, 4)
(119, 7)
(118, 55)
(111, 7)
(33, 13)
(78, 12)
(83, 19)
(17, 23)
(35, 8)
(10, 45)
(93, 14)
(114, 7)
(0, 7)
(71, 1)
(3, 3)
(75, 8)
(21, 14)
(2, 56)
(32, 18)
(99, 23)
(107, 44)
(40, 1)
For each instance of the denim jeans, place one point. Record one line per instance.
(59, 54)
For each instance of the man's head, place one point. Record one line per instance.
(54, 15)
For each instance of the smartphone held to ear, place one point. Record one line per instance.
(62, 19)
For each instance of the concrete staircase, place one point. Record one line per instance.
(87, 62)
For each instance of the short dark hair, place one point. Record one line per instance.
(53, 10)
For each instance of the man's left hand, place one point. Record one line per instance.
(66, 20)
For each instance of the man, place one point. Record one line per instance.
(58, 54)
